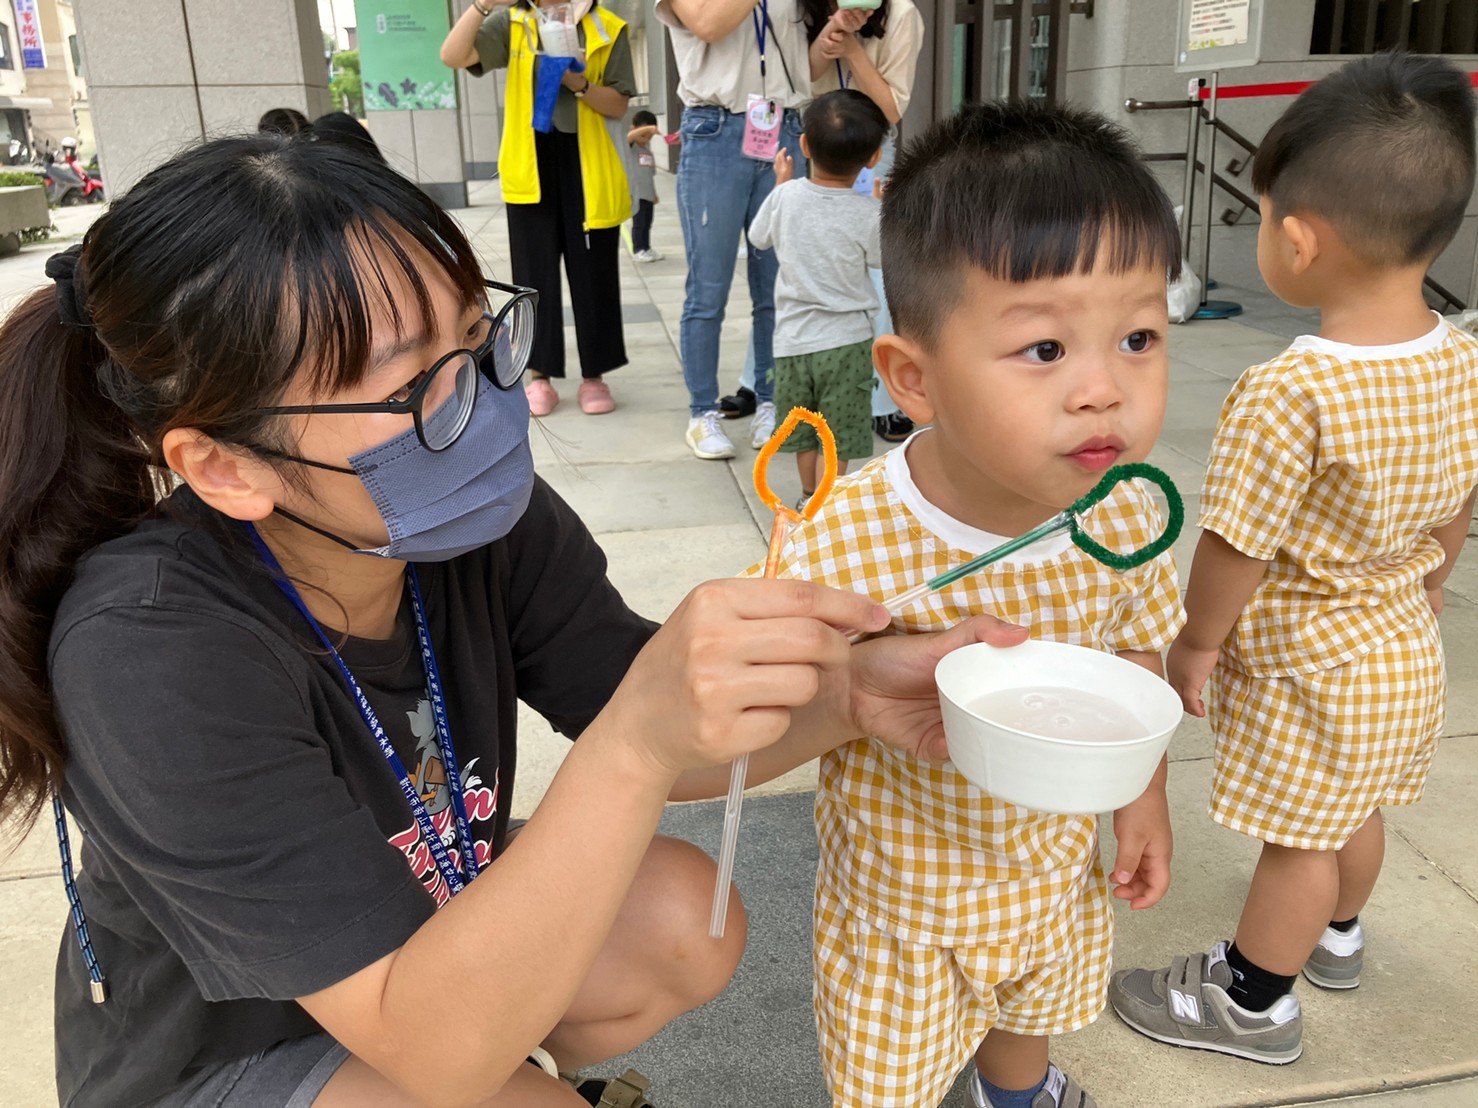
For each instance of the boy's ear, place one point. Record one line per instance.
(1303, 238)
(237, 486)
(805, 147)
(877, 156)
(900, 364)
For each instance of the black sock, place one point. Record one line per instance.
(1253, 987)
(1345, 926)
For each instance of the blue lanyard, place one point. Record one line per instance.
(841, 81)
(761, 24)
(444, 863)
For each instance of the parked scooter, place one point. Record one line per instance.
(67, 183)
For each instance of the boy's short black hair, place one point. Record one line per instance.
(644, 118)
(1024, 192)
(843, 130)
(1381, 148)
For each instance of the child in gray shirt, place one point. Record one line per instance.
(825, 236)
(644, 177)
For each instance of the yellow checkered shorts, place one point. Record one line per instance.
(1303, 761)
(897, 1020)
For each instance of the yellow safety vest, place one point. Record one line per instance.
(607, 193)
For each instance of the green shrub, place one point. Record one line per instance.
(11, 178)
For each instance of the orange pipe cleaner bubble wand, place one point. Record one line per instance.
(785, 519)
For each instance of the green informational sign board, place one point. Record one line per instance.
(400, 55)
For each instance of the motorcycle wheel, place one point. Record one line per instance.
(97, 197)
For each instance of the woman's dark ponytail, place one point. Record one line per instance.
(72, 475)
(223, 277)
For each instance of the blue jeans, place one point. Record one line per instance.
(719, 191)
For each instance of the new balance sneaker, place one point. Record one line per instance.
(1337, 960)
(762, 426)
(1060, 1091)
(1187, 1005)
(707, 439)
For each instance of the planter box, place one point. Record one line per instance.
(21, 208)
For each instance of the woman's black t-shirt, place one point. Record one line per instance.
(245, 841)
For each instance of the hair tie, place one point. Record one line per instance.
(71, 295)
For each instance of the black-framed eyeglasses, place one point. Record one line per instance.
(442, 399)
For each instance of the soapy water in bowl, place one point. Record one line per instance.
(1059, 713)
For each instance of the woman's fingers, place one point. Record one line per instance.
(762, 599)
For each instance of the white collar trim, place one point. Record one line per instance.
(953, 532)
(1412, 348)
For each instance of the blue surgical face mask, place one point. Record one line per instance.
(437, 506)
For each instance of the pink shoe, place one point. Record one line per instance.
(542, 397)
(595, 397)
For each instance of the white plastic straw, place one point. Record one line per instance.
(730, 844)
(729, 847)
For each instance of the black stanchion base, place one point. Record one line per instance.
(1218, 309)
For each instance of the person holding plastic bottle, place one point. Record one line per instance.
(564, 181)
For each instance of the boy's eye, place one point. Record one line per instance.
(402, 394)
(1043, 352)
(1137, 342)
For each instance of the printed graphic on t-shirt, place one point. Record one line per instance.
(430, 780)
(646, 159)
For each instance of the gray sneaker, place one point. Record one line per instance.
(1336, 961)
(1060, 1091)
(1187, 1005)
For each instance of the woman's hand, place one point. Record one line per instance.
(892, 694)
(574, 77)
(721, 676)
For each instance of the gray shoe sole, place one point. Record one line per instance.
(1270, 1058)
(1332, 977)
(1335, 971)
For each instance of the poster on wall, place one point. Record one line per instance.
(400, 55)
(28, 30)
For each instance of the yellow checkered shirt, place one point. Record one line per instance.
(1335, 468)
(918, 850)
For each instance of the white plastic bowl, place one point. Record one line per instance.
(1048, 774)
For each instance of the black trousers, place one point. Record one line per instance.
(538, 236)
(641, 226)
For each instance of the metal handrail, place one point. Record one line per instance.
(1134, 104)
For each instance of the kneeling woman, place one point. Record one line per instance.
(280, 701)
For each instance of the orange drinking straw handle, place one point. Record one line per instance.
(785, 519)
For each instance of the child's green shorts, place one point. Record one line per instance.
(838, 384)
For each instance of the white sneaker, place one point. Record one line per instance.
(706, 438)
(649, 255)
(762, 426)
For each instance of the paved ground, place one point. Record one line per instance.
(1406, 1038)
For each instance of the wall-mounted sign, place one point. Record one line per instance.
(28, 30)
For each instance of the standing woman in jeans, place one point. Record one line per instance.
(566, 190)
(733, 55)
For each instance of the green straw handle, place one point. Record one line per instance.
(1068, 521)
(1062, 521)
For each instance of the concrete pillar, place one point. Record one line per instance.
(164, 74)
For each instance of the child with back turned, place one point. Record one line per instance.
(1026, 251)
(825, 236)
(1337, 497)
